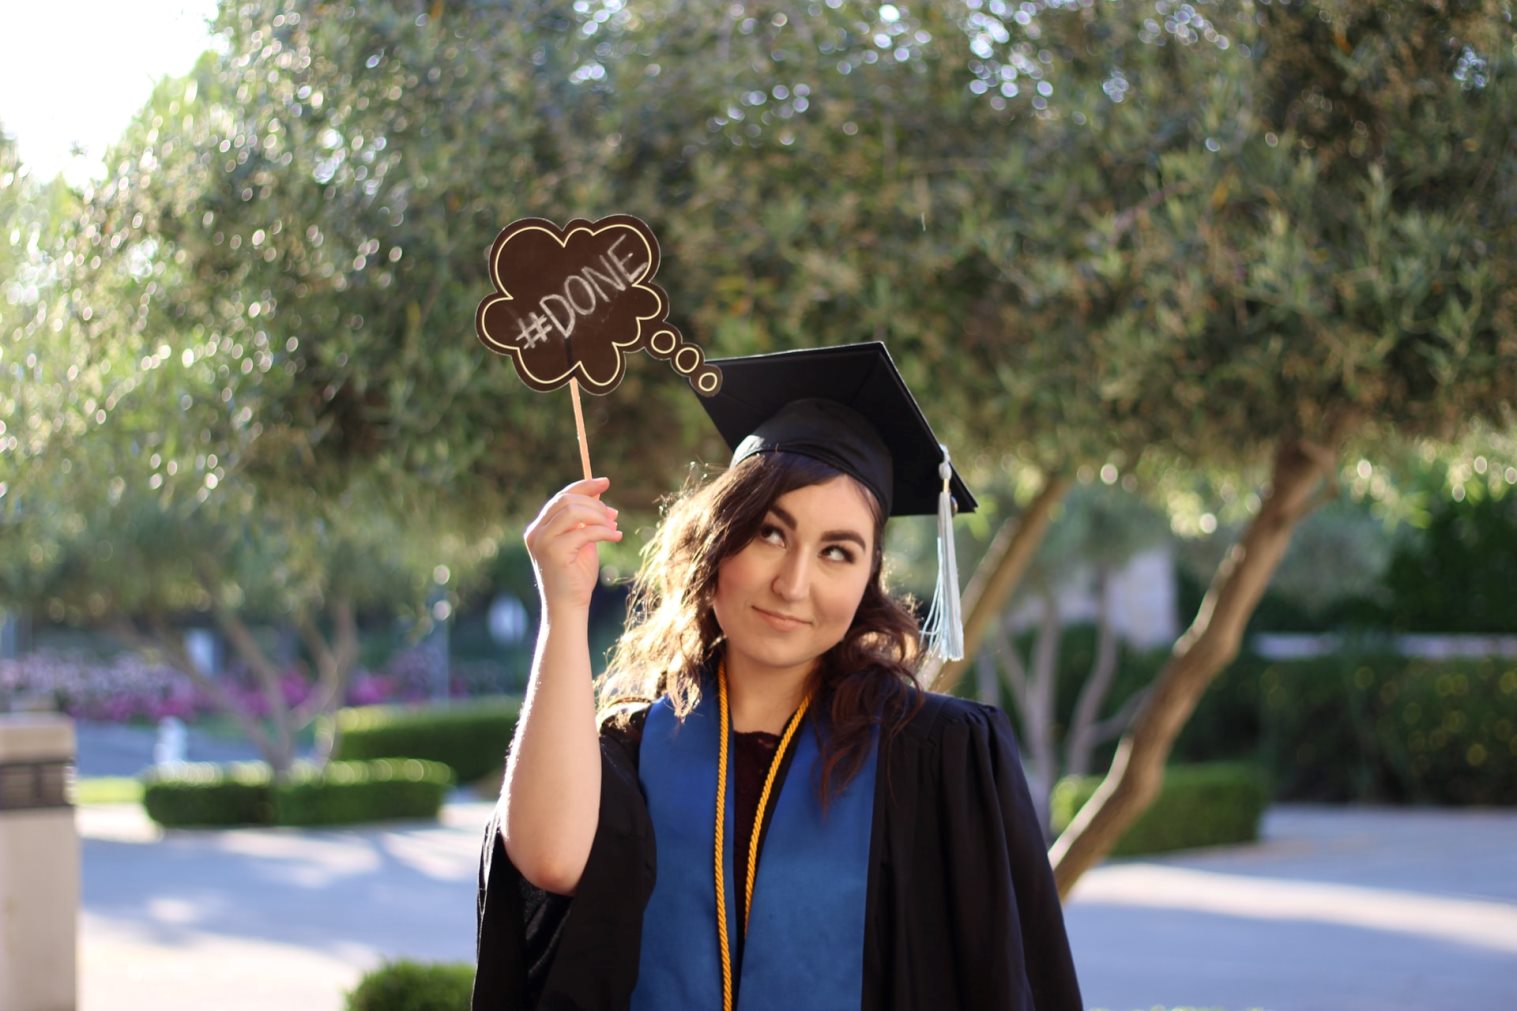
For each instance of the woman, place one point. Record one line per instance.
(771, 813)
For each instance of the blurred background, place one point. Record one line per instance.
(1214, 303)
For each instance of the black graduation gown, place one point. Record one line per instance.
(963, 912)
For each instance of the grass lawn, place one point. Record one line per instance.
(107, 790)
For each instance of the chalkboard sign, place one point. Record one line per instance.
(571, 303)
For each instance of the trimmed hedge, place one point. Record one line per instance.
(342, 793)
(1391, 729)
(414, 986)
(1213, 804)
(203, 795)
(470, 739)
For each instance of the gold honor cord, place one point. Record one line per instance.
(758, 824)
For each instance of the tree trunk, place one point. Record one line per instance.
(997, 576)
(1039, 710)
(168, 643)
(1083, 725)
(1211, 642)
(1032, 688)
(278, 743)
(334, 666)
(280, 747)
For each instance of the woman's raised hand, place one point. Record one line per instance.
(563, 541)
(552, 785)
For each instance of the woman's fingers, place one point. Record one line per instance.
(593, 487)
(581, 493)
(574, 541)
(569, 513)
(570, 522)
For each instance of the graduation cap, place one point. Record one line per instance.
(848, 407)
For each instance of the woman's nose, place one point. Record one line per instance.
(793, 579)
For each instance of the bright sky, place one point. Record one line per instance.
(74, 72)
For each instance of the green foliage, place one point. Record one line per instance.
(414, 986)
(470, 738)
(1390, 729)
(1440, 559)
(1199, 805)
(1098, 231)
(315, 201)
(340, 793)
(1457, 575)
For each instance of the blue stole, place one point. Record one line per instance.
(804, 947)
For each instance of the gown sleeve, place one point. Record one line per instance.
(972, 915)
(539, 950)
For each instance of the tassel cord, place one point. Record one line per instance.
(943, 631)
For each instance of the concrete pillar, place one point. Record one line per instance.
(39, 864)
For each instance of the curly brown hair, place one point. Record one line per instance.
(672, 638)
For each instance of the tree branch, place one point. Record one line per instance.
(333, 663)
(1118, 721)
(264, 670)
(163, 641)
(1084, 727)
(1016, 674)
(1040, 715)
(1212, 641)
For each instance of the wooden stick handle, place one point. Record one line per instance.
(579, 427)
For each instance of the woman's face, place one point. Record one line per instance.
(791, 593)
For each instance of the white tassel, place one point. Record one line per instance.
(944, 629)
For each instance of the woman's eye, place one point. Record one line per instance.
(838, 553)
(771, 534)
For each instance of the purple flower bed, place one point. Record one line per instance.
(118, 690)
(127, 688)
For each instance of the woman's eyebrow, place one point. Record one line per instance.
(830, 535)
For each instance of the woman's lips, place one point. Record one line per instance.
(783, 622)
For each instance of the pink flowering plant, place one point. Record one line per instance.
(118, 690)
(127, 688)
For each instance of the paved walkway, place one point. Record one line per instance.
(1338, 909)
(266, 918)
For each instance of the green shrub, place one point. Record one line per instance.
(414, 986)
(1456, 576)
(1200, 805)
(1392, 729)
(345, 793)
(205, 795)
(470, 739)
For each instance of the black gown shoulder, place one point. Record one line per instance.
(963, 912)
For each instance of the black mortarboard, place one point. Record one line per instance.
(846, 406)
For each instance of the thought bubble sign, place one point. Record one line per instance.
(571, 303)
